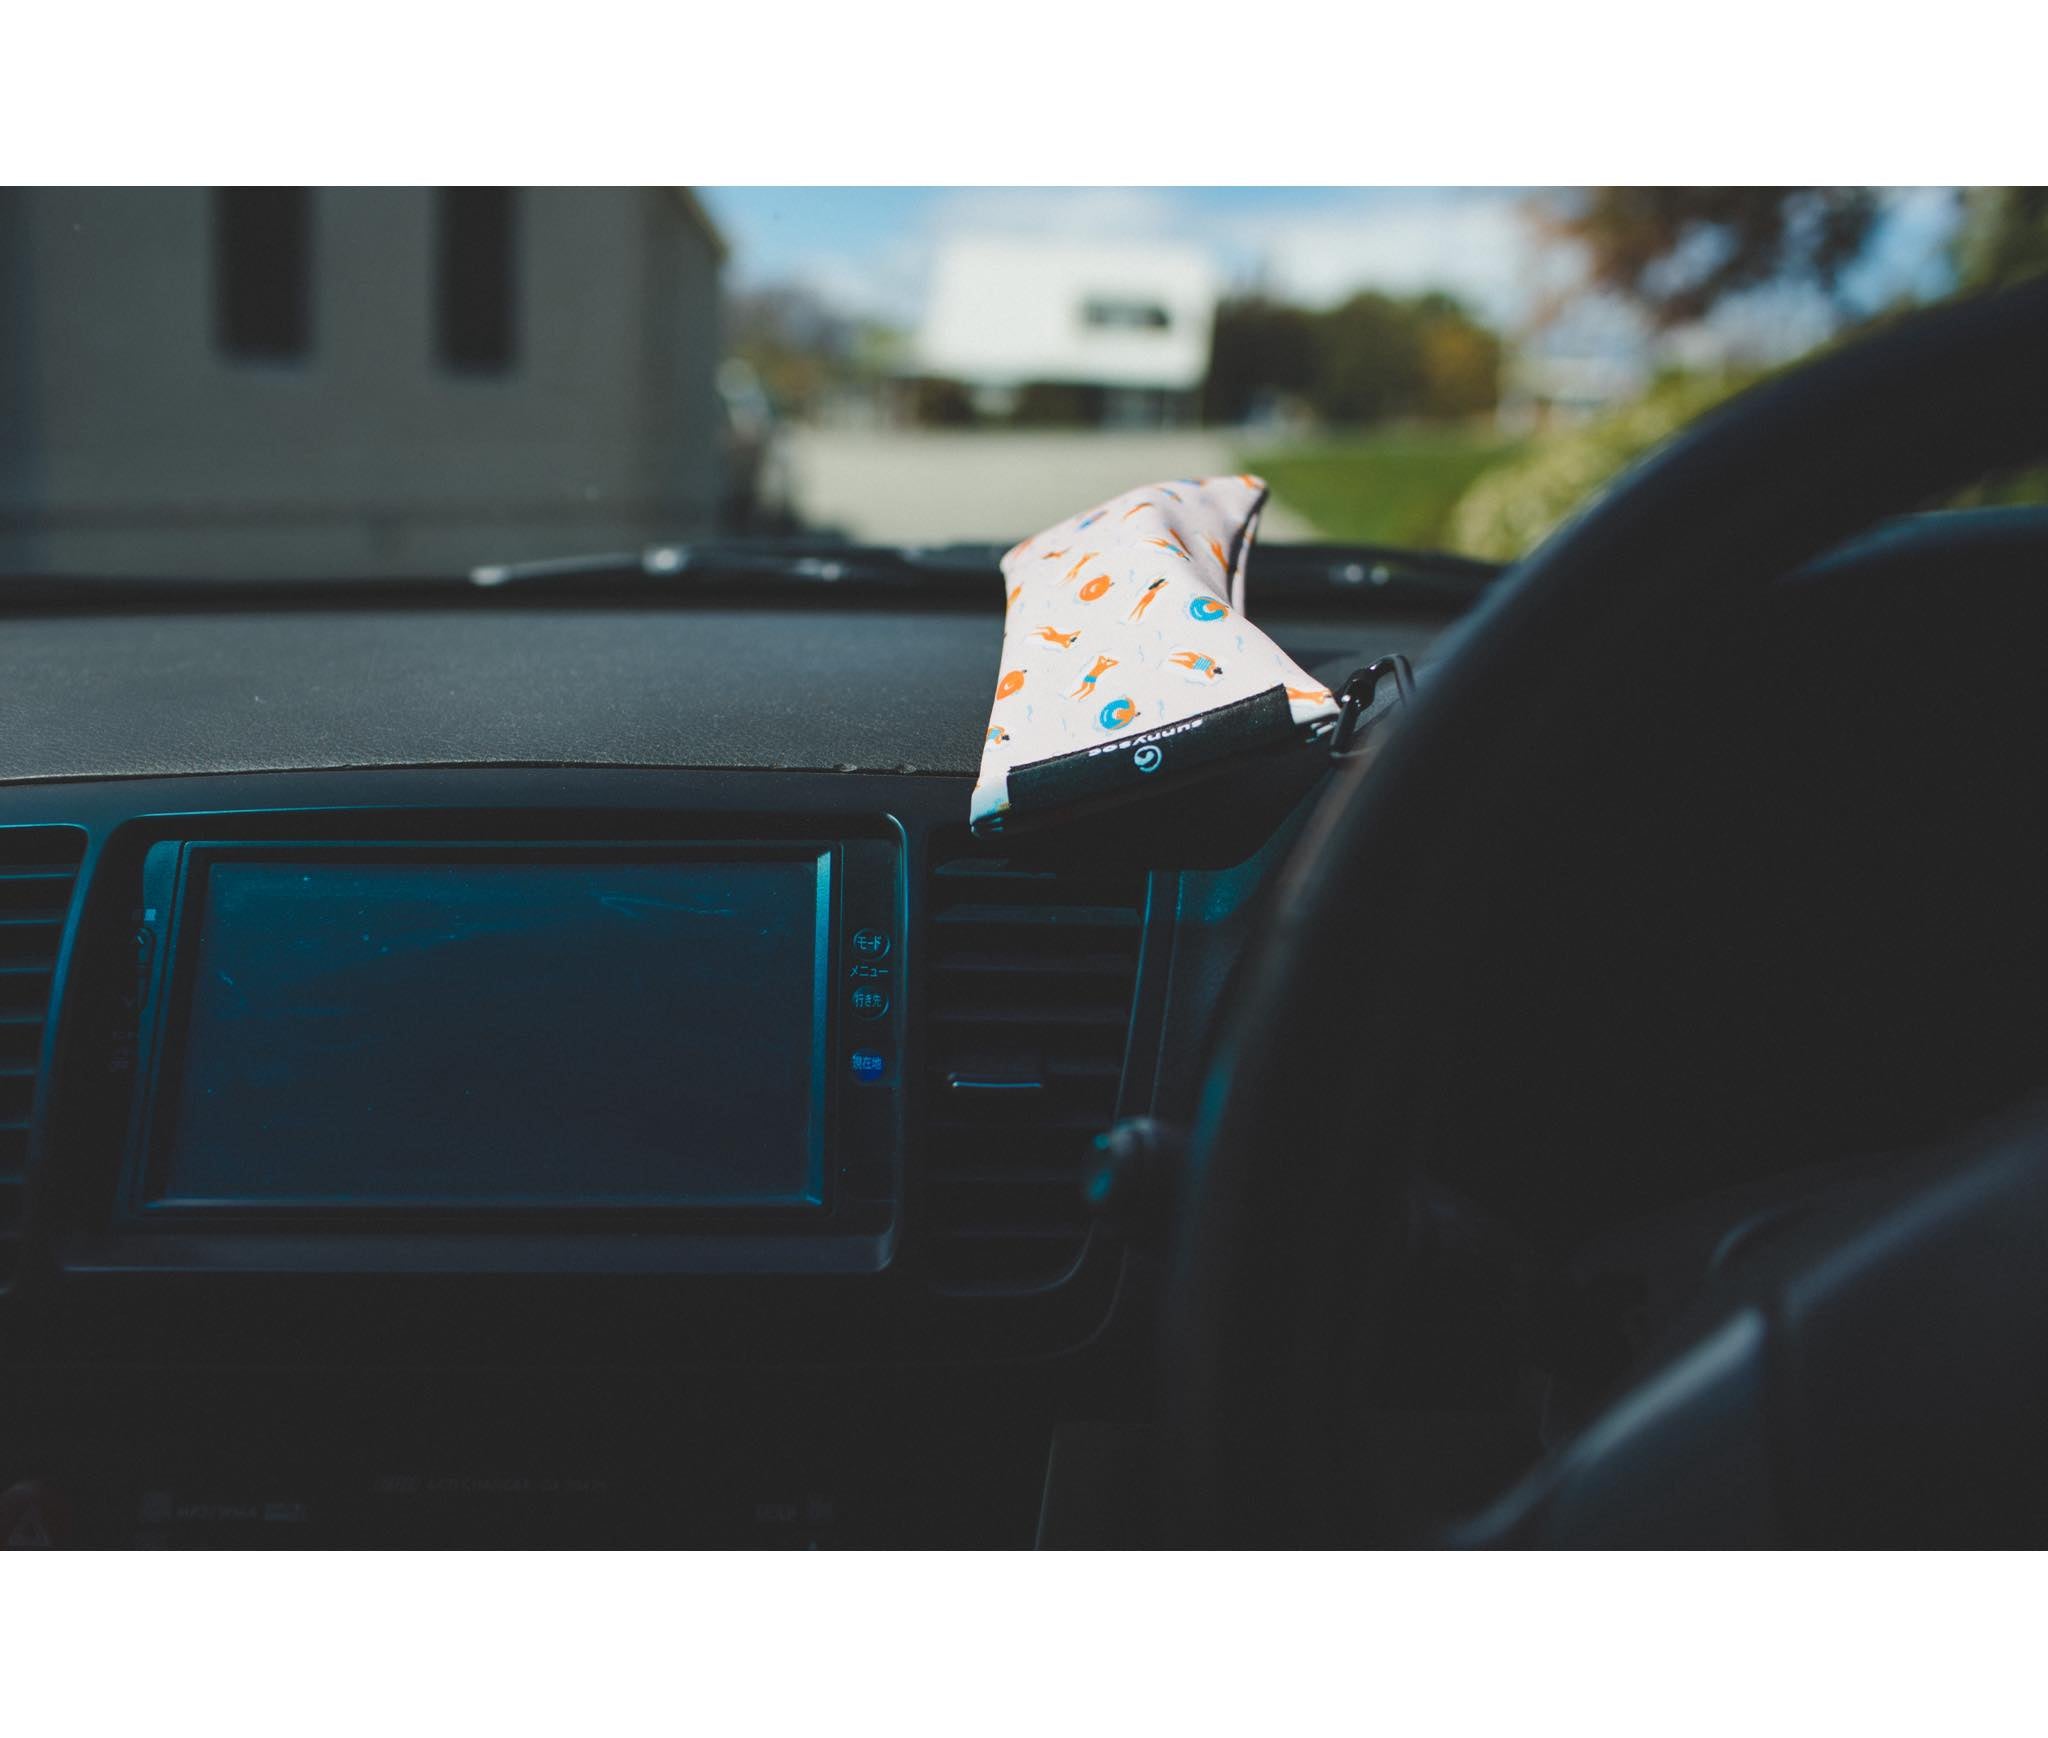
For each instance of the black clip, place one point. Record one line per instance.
(1356, 696)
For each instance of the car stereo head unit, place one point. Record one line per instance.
(421, 1033)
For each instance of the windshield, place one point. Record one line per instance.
(329, 382)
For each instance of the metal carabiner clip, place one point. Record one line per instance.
(1355, 698)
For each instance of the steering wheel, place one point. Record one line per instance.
(1283, 1293)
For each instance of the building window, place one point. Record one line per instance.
(263, 272)
(1107, 314)
(476, 243)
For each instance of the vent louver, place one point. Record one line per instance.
(38, 868)
(1029, 973)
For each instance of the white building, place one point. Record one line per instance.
(1127, 322)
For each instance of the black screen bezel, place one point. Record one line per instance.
(162, 1042)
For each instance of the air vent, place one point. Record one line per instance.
(1029, 975)
(38, 867)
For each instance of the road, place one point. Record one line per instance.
(941, 486)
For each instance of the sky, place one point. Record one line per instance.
(867, 251)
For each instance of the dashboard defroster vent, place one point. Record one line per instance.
(1029, 973)
(38, 869)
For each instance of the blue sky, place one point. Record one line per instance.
(868, 250)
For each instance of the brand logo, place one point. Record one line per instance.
(1147, 759)
(1124, 744)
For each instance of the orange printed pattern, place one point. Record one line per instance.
(1101, 667)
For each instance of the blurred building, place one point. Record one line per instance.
(1096, 332)
(249, 380)
(1597, 352)
(1585, 358)
(1544, 389)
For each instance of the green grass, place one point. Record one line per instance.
(1396, 488)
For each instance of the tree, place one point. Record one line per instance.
(1383, 357)
(799, 348)
(1678, 251)
(1371, 359)
(1460, 362)
(1260, 349)
(2004, 235)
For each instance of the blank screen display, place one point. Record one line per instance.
(543, 1033)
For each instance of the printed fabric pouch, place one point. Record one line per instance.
(1128, 666)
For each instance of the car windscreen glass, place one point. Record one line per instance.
(410, 383)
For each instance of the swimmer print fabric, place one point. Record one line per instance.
(1124, 631)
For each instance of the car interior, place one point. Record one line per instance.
(549, 1061)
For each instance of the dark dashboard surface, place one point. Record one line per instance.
(128, 694)
(911, 1376)
(961, 1332)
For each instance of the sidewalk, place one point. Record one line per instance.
(941, 486)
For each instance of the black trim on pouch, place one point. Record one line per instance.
(1140, 760)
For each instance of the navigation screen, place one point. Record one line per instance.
(547, 1032)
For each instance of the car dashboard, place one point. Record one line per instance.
(367, 969)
